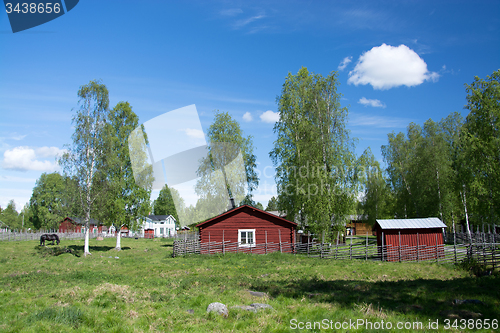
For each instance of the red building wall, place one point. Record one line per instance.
(245, 217)
(68, 225)
(416, 244)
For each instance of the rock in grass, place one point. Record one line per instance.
(219, 308)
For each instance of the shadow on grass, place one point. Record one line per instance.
(167, 245)
(458, 298)
(96, 248)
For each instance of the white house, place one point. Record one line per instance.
(163, 225)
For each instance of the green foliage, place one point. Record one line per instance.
(164, 204)
(420, 169)
(224, 172)
(377, 201)
(272, 204)
(10, 217)
(479, 160)
(248, 200)
(226, 129)
(316, 171)
(50, 201)
(124, 201)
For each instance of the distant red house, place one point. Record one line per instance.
(75, 225)
(149, 233)
(247, 228)
(69, 225)
(410, 239)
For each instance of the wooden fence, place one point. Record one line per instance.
(482, 252)
(26, 236)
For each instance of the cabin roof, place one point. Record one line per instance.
(244, 207)
(423, 223)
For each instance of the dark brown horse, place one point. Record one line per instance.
(49, 237)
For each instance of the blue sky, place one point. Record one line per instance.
(397, 61)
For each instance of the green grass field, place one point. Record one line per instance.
(146, 290)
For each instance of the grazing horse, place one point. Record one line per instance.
(49, 237)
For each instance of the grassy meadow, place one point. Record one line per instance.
(143, 289)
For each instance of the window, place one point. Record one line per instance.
(246, 237)
(161, 231)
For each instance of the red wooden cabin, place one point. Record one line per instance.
(410, 239)
(76, 224)
(245, 229)
(69, 225)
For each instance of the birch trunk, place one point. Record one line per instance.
(118, 240)
(466, 215)
(86, 250)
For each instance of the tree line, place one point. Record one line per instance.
(448, 168)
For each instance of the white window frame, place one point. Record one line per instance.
(246, 244)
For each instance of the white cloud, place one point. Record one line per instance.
(344, 63)
(387, 66)
(231, 12)
(49, 152)
(26, 158)
(270, 116)
(243, 22)
(194, 133)
(247, 117)
(371, 102)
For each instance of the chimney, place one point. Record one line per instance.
(232, 203)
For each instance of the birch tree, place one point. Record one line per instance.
(480, 148)
(313, 153)
(85, 157)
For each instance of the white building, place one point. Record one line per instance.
(163, 225)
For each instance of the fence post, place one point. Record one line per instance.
(455, 245)
(437, 255)
(209, 243)
(279, 234)
(350, 249)
(266, 242)
(321, 248)
(308, 239)
(399, 234)
(185, 243)
(337, 246)
(223, 248)
(366, 250)
(418, 250)
(382, 246)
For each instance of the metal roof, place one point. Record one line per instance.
(430, 222)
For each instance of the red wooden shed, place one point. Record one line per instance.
(246, 229)
(410, 239)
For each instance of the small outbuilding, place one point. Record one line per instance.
(247, 229)
(410, 239)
